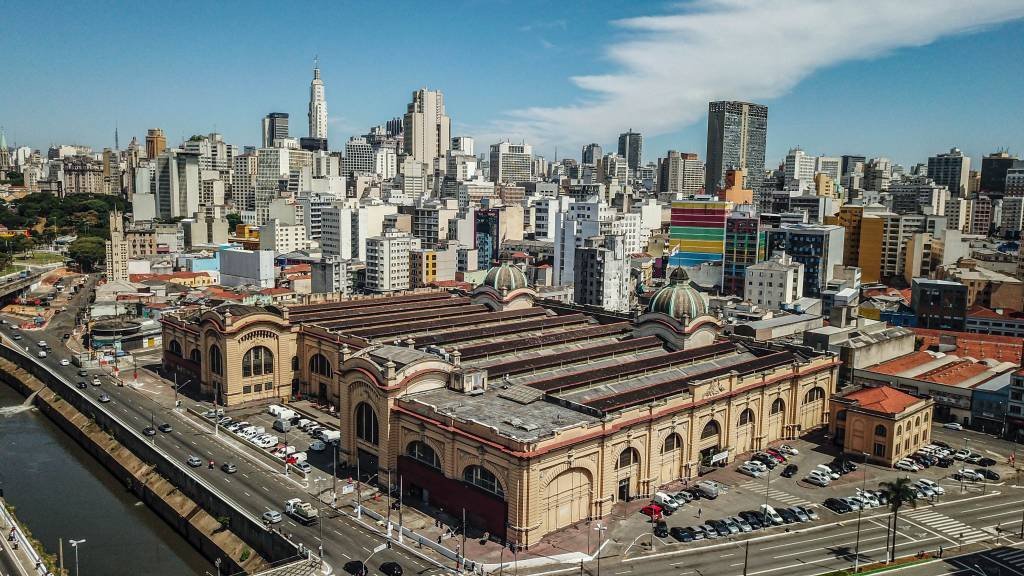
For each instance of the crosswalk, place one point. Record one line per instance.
(1011, 557)
(951, 527)
(773, 494)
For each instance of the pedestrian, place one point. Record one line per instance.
(699, 512)
(940, 550)
(438, 538)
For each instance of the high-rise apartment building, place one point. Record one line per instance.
(156, 142)
(951, 170)
(737, 132)
(744, 247)
(601, 274)
(631, 147)
(774, 282)
(117, 249)
(680, 173)
(275, 128)
(317, 107)
(330, 276)
(387, 261)
(993, 172)
(697, 232)
(428, 129)
(818, 247)
(358, 156)
(511, 163)
(592, 153)
(177, 184)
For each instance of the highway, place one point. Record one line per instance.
(257, 486)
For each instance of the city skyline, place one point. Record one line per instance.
(814, 103)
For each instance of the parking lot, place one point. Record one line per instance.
(739, 492)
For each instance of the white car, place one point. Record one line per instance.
(968, 474)
(907, 465)
(827, 471)
(787, 449)
(755, 464)
(953, 426)
(64, 362)
(931, 484)
(817, 480)
(961, 454)
(751, 471)
(869, 498)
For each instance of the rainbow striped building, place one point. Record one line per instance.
(697, 232)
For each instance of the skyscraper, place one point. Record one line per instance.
(428, 129)
(511, 162)
(156, 142)
(680, 173)
(592, 153)
(950, 170)
(275, 127)
(631, 147)
(993, 171)
(736, 139)
(317, 106)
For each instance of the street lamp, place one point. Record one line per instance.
(856, 553)
(74, 544)
(600, 544)
(764, 512)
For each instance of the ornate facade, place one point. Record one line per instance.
(532, 420)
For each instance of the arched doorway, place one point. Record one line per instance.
(567, 498)
(671, 458)
(627, 473)
(710, 442)
(812, 409)
(367, 434)
(746, 430)
(775, 428)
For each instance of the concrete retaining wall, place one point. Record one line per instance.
(187, 503)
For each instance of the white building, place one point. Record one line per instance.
(272, 166)
(511, 163)
(385, 162)
(283, 238)
(387, 261)
(317, 106)
(344, 230)
(247, 268)
(774, 282)
(428, 129)
(330, 276)
(601, 274)
(177, 184)
(243, 184)
(359, 156)
(311, 206)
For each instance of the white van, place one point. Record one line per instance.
(329, 435)
(299, 457)
(771, 515)
(286, 414)
(708, 488)
(275, 410)
(665, 501)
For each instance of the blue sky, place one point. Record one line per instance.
(903, 80)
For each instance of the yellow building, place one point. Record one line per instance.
(734, 191)
(885, 423)
(530, 419)
(849, 217)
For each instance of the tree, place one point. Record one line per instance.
(88, 251)
(233, 221)
(900, 492)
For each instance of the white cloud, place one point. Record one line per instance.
(666, 68)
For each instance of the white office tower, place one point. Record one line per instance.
(211, 188)
(601, 275)
(385, 162)
(545, 211)
(413, 176)
(214, 153)
(317, 106)
(799, 170)
(344, 230)
(387, 261)
(177, 184)
(326, 164)
(463, 145)
(283, 238)
(117, 249)
(774, 282)
(330, 276)
(583, 220)
(358, 156)
(511, 163)
(310, 206)
(272, 171)
(428, 130)
(829, 165)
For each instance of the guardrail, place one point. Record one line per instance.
(9, 520)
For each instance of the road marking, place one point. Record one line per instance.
(729, 554)
(818, 549)
(999, 514)
(247, 495)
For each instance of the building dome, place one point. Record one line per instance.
(505, 277)
(679, 300)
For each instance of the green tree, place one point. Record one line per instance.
(899, 492)
(88, 252)
(233, 221)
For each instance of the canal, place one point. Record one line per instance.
(59, 491)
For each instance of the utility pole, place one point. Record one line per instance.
(402, 505)
(463, 562)
(359, 504)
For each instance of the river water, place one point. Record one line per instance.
(60, 491)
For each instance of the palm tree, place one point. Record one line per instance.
(900, 492)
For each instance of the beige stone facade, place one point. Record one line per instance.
(433, 388)
(885, 423)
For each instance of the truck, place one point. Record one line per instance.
(328, 435)
(303, 512)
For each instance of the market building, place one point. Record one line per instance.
(883, 423)
(532, 417)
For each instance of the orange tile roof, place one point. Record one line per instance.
(297, 269)
(903, 363)
(980, 346)
(954, 373)
(884, 399)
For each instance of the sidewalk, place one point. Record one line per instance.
(18, 554)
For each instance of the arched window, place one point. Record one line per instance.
(925, 416)
(711, 430)
(295, 362)
(672, 443)
(841, 416)
(814, 394)
(196, 356)
(484, 479)
(319, 364)
(880, 431)
(216, 360)
(746, 417)
(778, 406)
(258, 361)
(367, 428)
(917, 422)
(899, 430)
(627, 458)
(175, 348)
(422, 452)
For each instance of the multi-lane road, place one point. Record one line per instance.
(258, 486)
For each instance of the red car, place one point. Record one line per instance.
(652, 510)
(776, 454)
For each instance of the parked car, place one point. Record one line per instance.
(750, 470)
(988, 474)
(743, 524)
(908, 465)
(766, 459)
(667, 503)
(961, 454)
(752, 518)
(695, 532)
(800, 514)
(661, 529)
(986, 462)
(683, 496)
(787, 449)
(720, 527)
(828, 471)
(868, 497)
(953, 426)
(790, 470)
(708, 489)
(931, 484)
(733, 527)
(853, 503)
(779, 456)
(681, 534)
(709, 532)
(817, 480)
(968, 474)
(973, 458)
(652, 510)
(788, 516)
(317, 446)
(808, 511)
(771, 515)
(838, 506)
